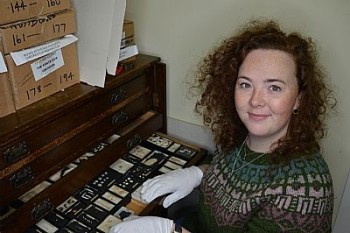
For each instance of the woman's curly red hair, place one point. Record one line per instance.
(216, 77)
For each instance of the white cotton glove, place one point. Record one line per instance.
(144, 224)
(179, 183)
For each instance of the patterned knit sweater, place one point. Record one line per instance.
(238, 195)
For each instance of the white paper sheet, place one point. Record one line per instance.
(3, 67)
(128, 52)
(100, 25)
(36, 52)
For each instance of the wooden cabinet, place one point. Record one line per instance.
(40, 140)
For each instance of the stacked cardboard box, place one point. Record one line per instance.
(30, 24)
(6, 102)
(27, 90)
(15, 10)
(7, 105)
(128, 47)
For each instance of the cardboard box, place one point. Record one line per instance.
(35, 31)
(128, 48)
(6, 101)
(128, 34)
(27, 91)
(15, 10)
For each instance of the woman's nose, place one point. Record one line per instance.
(257, 99)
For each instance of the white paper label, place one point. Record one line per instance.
(128, 52)
(36, 52)
(3, 67)
(48, 64)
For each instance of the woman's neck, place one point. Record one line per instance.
(261, 144)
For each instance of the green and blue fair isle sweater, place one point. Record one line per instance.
(295, 197)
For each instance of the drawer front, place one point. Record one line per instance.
(38, 170)
(45, 137)
(55, 194)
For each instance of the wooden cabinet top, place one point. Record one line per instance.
(56, 105)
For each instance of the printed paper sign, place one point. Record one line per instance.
(3, 67)
(36, 52)
(47, 64)
(128, 52)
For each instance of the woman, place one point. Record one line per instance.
(264, 96)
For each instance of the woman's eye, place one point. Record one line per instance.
(275, 88)
(244, 85)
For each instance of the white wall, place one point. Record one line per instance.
(182, 31)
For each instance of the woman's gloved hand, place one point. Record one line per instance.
(144, 224)
(179, 183)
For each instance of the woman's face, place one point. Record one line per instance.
(266, 93)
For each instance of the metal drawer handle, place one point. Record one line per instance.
(21, 177)
(15, 152)
(119, 118)
(118, 95)
(134, 141)
(40, 210)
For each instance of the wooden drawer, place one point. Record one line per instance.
(47, 164)
(55, 194)
(39, 141)
(47, 136)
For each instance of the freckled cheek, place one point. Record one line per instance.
(281, 107)
(240, 103)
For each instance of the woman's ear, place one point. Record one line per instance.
(297, 102)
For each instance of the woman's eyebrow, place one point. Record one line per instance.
(243, 77)
(274, 80)
(271, 80)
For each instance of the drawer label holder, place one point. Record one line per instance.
(40, 210)
(119, 118)
(15, 152)
(21, 177)
(118, 95)
(134, 141)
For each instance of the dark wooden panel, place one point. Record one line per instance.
(57, 158)
(68, 185)
(57, 105)
(58, 129)
(38, 140)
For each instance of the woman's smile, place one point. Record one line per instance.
(257, 117)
